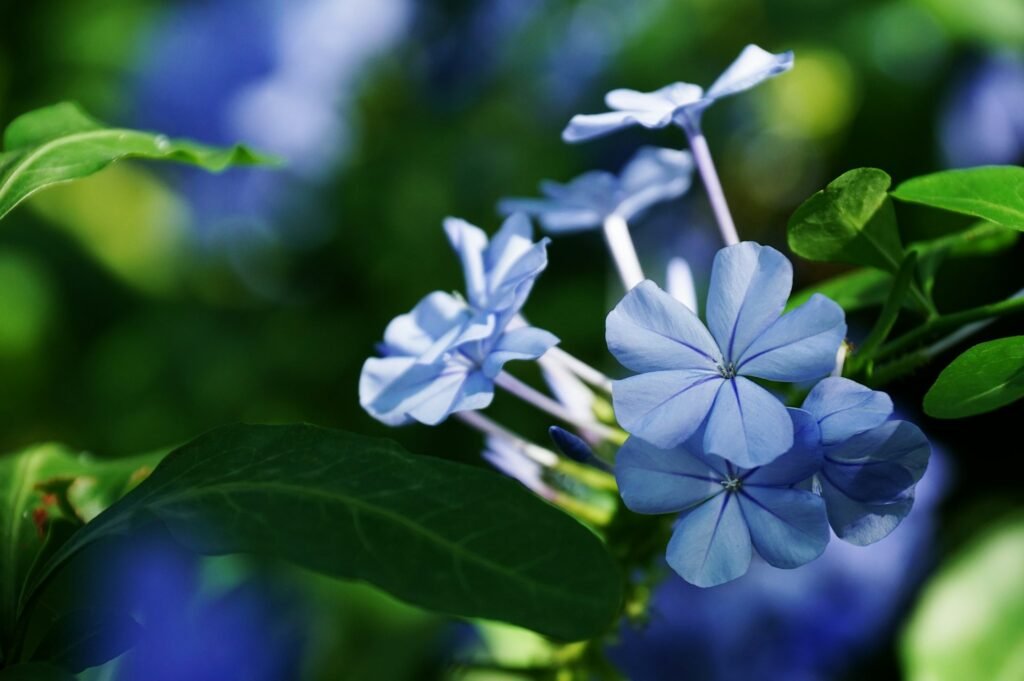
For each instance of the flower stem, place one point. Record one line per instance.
(583, 370)
(706, 167)
(620, 244)
(544, 403)
(479, 422)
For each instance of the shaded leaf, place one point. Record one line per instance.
(87, 638)
(442, 535)
(993, 193)
(35, 671)
(988, 376)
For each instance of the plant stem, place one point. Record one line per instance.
(544, 403)
(713, 186)
(583, 370)
(620, 244)
(479, 422)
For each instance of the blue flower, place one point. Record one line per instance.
(679, 103)
(690, 377)
(651, 176)
(728, 510)
(870, 463)
(443, 356)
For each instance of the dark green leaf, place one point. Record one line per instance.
(61, 143)
(35, 671)
(988, 376)
(442, 535)
(850, 221)
(87, 638)
(993, 193)
(855, 290)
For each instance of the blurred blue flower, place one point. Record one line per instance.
(726, 509)
(651, 176)
(443, 356)
(679, 103)
(870, 463)
(691, 377)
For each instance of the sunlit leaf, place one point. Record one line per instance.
(986, 377)
(994, 193)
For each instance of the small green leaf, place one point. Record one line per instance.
(988, 376)
(851, 221)
(35, 671)
(60, 143)
(442, 535)
(967, 624)
(994, 193)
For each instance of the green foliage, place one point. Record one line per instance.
(988, 376)
(994, 193)
(86, 638)
(446, 536)
(850, 221)
(967, 624)
(35, 671)
(61, 143)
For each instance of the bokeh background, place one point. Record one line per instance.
(145, 305)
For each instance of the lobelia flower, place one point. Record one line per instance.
(443, 356)
(727, 510)
(651, 176)
(870, 463)
(679, 103)
(691, 378)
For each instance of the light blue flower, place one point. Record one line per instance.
(443, 356)
(653, 175)
(679, 103)
(870, 463)
(689, 377)
(726, 510)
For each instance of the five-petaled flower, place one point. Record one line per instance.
(725, 509)
(870, 463)
(679, 103)
(653, 175)
(690, 378)
(443, 356)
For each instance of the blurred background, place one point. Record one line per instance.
(145, 305)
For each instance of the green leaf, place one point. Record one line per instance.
(890, 312)
(967, 624)
(994, 193)
(61, 143)
(442, 535)
(35, 671)
(87, 638)
(851, 221)
(988, 376)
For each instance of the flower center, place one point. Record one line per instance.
(727, 370)
(731, 484)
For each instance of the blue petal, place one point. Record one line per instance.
(747, 425)
(393, 389)
(789, 527)
(653, 480)
(862, 523)
(526, 342)
(455, 389)
(749, 287)
(711, 544)
(583, 127)
(799, 346)
(513, 260)
(554, 216)
(664, 407)
(653, 175)
(878, 465)
(679, 94)
(753, 66)
(803, 459)
(469, 243)
(844, 408)
(377, 374)
(624, 99)
(650, 331)
(433, 318)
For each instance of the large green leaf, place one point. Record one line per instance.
(993, 193)
(86, 486)
(967, 624)
(60, 143)
(851, 221)
(988, 376)
(442, 535)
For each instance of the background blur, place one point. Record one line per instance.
(145, 305)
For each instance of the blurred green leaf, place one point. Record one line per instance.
(967, 624)
(60, 143)
(86, 638)
(35, 671)
(993, 193)
(445, 536)
(851, 221)
(986, 377)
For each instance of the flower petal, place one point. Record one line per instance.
(433, 318)
(469, 243)
(789, 527)
(664, 407)
(526, 342)
(878, 465)
(749, 287)
(512, 261)
(554, 216)
(753, 66)
(377, 374)
(803, 459)
(651, 176)
(624, 99)
(393, 389)
(844, 408)
(587, 126)
(650, 331)
(653, 480)
(747, 425)
(711, 543)
(862, 523)
(799, 346)
(454, 389)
